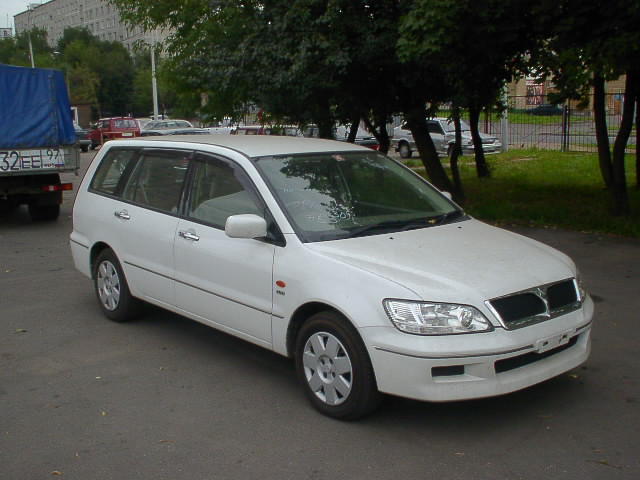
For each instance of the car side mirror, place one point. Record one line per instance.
(246, 225)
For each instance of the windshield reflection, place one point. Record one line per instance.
(330, 196)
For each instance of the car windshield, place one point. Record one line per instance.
(330, 196)
(450, 126)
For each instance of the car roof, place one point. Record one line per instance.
(251, 146)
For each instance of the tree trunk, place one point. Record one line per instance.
(353, 131)
(482, 168)
(416, 121)
(638, 132)
(602, 134)
(380, 133)
(455, 172)
(612, 169)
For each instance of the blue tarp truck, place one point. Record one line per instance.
(37, 140)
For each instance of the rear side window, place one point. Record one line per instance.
(109, 175)
(157, 180)
(434, 127)
(125, 123)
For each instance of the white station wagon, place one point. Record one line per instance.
(332, 254)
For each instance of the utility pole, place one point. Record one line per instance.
(154, 85)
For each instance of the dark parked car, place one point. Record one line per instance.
(83, 137)
(546, 109)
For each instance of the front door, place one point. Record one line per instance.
(226, 282)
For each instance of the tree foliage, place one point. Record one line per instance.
(588, 44)
(347, 61)
(478, 46)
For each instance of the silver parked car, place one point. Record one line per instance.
(443, 134)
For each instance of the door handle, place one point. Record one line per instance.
(122, 215)
(187, 235)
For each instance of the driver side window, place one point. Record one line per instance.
(219, 190)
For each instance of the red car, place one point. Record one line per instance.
(115, 127)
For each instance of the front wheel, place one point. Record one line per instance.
(334, 368)
(112, 289)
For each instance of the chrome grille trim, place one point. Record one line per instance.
(541, 292)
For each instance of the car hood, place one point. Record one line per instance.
(464, 262)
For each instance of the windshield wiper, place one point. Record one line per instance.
(445, 218)
(404, 225)
(392, 225)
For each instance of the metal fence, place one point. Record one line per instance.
(565, 128)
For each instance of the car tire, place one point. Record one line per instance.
(334, 368)
(43, 213)
(450, 150)
(112, 290)
(84, 148)
(404, 150)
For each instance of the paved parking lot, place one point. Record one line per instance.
(167, 398)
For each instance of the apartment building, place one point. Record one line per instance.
(99, 16)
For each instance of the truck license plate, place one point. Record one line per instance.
(31, 159)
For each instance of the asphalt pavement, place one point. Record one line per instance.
(166, 398)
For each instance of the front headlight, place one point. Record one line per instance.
(424, 318)
(582, 293)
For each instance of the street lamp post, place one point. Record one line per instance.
(66, 71)
(33, 62)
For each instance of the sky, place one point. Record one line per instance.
(9, 8)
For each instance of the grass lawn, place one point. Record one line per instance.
(547, 189)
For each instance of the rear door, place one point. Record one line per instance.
(225, 282)
(141, 221)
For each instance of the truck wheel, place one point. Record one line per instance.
(334, 368)
(112, 290)
(44, 212)
(405, 151)
(7, 206)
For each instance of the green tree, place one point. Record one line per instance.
(41, 50)
(479, 46)
(585, 49)
(98, 71)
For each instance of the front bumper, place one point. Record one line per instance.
(462, 367)
(489, 149)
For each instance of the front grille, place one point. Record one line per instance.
(537, 304)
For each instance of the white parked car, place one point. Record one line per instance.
(333, 254)
(443, 134)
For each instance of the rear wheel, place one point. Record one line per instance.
(334, 368)
(112, 289)
(405, 151)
